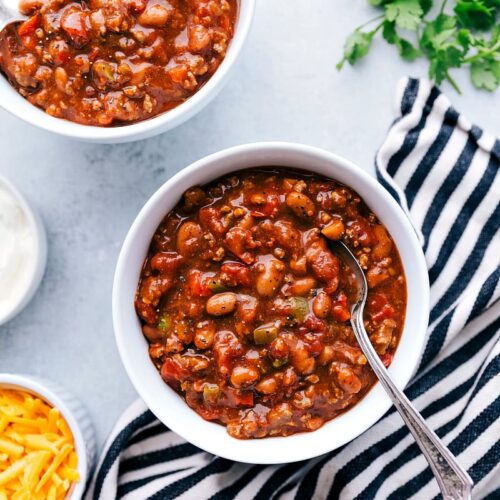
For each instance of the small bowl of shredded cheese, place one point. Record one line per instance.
(23, 251)
(47, 443)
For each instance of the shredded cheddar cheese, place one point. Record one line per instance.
(37, 451)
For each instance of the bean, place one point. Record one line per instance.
(204, 335)
(334, 230)
(61, 78)
(326, 355)
(299, 265)
(189, 238)
(302, 286)
(269, 279)
(154, 15)
(152, 334)
(199, 38)
(346, 378)
(269, 385)
(300, 204)
(221, 304)
(302, 361)
(322, 305)
(244, 375)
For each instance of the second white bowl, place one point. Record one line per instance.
(13, 102)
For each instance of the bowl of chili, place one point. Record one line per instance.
(118, 70)
(192, 333)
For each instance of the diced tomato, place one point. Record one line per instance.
(362, 231)
(340, 308)
(173, 373)
(236, 274)
(76, 25)
(379, 308)
(197, 285)
(29, 26)
(235, 398)
(211, 219)
(314, 324)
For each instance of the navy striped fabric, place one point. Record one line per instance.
(445, 173)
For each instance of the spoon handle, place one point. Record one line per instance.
(453, 480)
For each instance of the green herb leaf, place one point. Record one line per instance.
(449, 41)
(438, 33)
(474, 14)
(442, 61)
(356, 46)
(485, 74)
(406, 13)
(407, 51)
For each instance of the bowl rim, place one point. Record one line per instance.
(280, 449)
(165, 121)
(40, 250)
(36, 386)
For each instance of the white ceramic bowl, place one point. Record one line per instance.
(37, 267)
(73, 412)
(169, 407)
(11, 101)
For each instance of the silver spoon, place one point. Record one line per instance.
(453, 480)
(9, 13)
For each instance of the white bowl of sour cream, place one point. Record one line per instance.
(23, 251)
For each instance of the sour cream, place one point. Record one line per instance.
(18, 258)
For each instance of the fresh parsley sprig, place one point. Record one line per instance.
(464, 34)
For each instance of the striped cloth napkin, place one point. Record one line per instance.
(445, 174)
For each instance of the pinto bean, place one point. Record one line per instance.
(302, 286)
(243, 376)
(61, 78)
(302, 360)
(322, 305)
(300, 204)
(270, 276)
(152, 334)
(189, 238)
(204, 335)
(346, 378)
(155, 15)
(268, 385)
(326, 355)
(334, 230)
(199, 38)
(221, 304)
